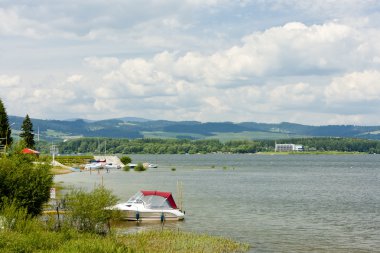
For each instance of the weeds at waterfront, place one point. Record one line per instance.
(70, 240)
(66, 240)
(175, 241)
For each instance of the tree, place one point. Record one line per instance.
(27, 132)
(24, 183)
(125, 160)
(5, 131)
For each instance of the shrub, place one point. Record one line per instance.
(14, 217)
(23, 183)
(88, 210)
(140, 167)
(125, 159)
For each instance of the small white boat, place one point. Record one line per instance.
(93, 166)
(132, 165)
(150, 206)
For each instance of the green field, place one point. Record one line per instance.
(223, 137)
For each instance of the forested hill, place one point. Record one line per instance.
(133, 128)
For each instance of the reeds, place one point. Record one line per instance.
(176, 241)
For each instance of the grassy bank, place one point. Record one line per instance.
(69, 240)
(173, 241)
(56, 170)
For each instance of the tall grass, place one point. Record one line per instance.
(70, 240)
(63, 241)
(175, 241)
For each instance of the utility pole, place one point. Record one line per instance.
(53, 151)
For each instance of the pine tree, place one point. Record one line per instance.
(5, 130)
(27, 132)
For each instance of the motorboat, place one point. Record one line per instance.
(145, 165)
(150, 206)
(93, 166)
(112, 166)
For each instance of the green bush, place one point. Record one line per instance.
(140, 167)
(125, 160)
(15, 218)
(88, 210)
(24, 183)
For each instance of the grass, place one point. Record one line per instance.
(74, 160)
(174, 241)
(56, 170)
(252, 135)
(38, 239)
(165, 135)
(65, 241)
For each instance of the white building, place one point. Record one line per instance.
(287, 147)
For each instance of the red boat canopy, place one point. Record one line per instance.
(30, 151)
(167, 195)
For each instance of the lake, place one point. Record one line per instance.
(276, 203)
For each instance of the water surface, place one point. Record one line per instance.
(276, 203)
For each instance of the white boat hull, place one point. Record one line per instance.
(150, 216)
(134, 212)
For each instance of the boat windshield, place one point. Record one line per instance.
(151, 201)
(137, 198)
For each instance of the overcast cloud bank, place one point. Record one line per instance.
(313, 63)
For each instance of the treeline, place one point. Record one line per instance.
(157, 146)
(183, 146)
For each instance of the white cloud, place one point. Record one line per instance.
(74, 78)
(9, 81)
(103, 63)
(12, 24)
(354, 87)
(193, 60)
(292, 49)
(299, 95)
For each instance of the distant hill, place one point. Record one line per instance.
(132, 128)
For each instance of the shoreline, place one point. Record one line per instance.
(312, 153)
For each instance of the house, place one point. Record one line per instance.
(287, 147)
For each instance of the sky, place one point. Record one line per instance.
(313, 62)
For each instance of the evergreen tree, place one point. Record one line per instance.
(5, 131)
(27, 132)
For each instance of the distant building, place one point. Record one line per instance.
(288, 147)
